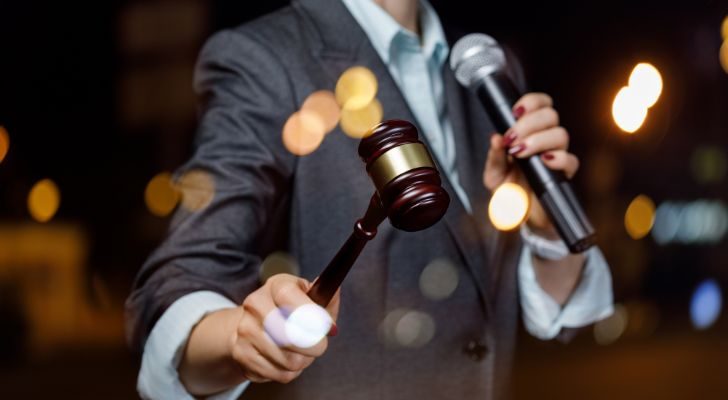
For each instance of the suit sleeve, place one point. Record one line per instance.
(246, 97)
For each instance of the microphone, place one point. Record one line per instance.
(479, 64)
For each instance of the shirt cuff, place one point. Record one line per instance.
(591, 301)
(158, 378)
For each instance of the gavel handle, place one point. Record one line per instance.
(364, 230)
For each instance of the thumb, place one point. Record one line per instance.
(496, 166)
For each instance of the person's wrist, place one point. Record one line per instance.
(544, 243)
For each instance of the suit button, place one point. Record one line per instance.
(476, 350)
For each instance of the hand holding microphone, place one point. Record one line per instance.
(532, 136)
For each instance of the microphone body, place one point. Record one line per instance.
(498, 95)
(479, 66)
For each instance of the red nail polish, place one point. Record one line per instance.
(333, 331)
(517, 149)
(519, 111)
(509, 137)
(547, 156)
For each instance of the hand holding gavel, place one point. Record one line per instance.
(408, 192)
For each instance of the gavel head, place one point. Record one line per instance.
(405, 176)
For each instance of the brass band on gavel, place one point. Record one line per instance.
(397, 161)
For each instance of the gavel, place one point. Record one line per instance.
(408, 191)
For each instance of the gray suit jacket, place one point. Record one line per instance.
(250, 80)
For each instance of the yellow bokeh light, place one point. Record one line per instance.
(357, 123)
(508, 207)
(303, 132)
(161, 196)
(628, 110)
(640, 217)
(356, 88)
(323, 104)
(724, 29)
(4, 143)
(724, 56)
(608, 330)
(43, 200)
(646, 82)
(198, 189)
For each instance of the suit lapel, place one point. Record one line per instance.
(344, 44)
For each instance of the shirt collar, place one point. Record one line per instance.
(383, 30)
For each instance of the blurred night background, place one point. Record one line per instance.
(96, 100)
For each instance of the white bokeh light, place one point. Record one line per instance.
(629, 110)
(439, 279)
(307, 325)
(647, 83)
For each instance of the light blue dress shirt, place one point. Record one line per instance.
(415, 63)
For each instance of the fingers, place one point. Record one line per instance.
(334, 304)
(530, 123)
(257, 368)
(550, 139)
(531, 102)
(496, 165)
(561, 160)
(291, 294)
(275, 318)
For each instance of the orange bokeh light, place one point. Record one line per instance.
(4, 143)
(303, 132)
(198, 189)
(357, 123)
(323, 104)
(43, 200)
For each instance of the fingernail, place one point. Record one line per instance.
(334, 330)
(516, 149)
(547, 156)
(509, 137)
(519, 111)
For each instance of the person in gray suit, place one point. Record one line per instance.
(198, 309)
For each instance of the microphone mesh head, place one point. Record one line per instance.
(474, 56)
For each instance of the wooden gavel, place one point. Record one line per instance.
(408, 191)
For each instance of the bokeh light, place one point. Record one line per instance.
(304, 327)
(303, 132)
(706, 304)
(274, 325)
(608, 330)
(198, 189)
(356, 123)
(628, 110)
(323, 104)
(724, 29)
(43, 200)
(161, 196)
(278, 262)
(667, 223)
(4, 143)
(356, 88)
(508, 207)
(640, 217)
(407, 328)
(646, 81)
(708, 164)
(439, 279)
(644, 318)
(307, 325)
(724, 56)
(699, 222)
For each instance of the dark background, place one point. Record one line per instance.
(97, 96)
